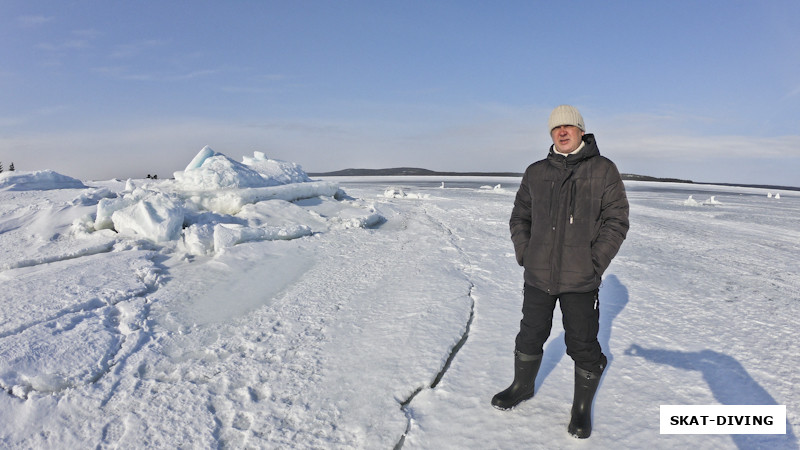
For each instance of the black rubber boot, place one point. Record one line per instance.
(525, 369)
(580, 425)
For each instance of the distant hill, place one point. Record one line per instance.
(409, 171)
(760, 186)
(634, 177)
(415, 171)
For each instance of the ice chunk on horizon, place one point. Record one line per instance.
(397, 192)
(497, 187)
(690, 202)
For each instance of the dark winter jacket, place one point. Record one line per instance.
(569, 219)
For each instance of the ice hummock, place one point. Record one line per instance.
(210, 170)
(205, 208)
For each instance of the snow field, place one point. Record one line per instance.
(343, 336)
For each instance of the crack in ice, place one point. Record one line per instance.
(404, 405)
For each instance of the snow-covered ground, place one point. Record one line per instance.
(243, 305)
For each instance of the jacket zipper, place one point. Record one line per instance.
(558, 238)
(553, 222)
(572, 201)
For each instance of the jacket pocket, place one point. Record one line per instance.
(578, 267)
(519, 252)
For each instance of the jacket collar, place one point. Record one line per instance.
(588, 151)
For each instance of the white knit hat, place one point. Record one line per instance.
(566, 115)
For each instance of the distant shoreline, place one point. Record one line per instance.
(414, 171)
(408, 171)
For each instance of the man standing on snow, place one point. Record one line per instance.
(569, 219)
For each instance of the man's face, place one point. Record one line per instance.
(566, 138)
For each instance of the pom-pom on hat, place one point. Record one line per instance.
(566, 115)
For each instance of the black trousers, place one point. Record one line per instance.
(580, 316)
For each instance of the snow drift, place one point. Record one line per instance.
(40, 180)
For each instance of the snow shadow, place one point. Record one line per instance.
(729, 383)
(613, 299)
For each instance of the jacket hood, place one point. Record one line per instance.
(590, 150)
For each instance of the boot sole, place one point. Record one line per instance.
(580, 436)
(501, 408)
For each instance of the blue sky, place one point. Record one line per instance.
(708, 91)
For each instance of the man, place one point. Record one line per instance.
(569, 219)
